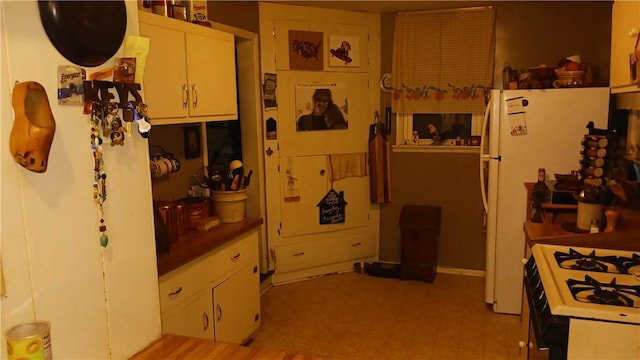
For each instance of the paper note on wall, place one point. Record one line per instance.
(516, 115)
(137, 47)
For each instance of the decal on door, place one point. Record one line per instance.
(331, 208)
(344, 50)
(305, 50)
(291, 192)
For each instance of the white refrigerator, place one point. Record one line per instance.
(524, 130)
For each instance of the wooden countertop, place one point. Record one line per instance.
(546, 233)
(180, 347)
(196, 243)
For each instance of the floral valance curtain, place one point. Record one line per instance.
(443, 60)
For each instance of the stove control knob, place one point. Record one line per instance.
(523, 344)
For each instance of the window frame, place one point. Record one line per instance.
(404, 129)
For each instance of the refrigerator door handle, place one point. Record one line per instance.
(484, 148)
(484, 157)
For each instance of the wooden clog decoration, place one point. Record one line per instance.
(33, 126)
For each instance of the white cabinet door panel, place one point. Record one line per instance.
(304, 182)
(212, 76)
(165, 72)
(236, 305)
(194, 318)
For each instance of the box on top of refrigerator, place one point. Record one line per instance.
(198, 11)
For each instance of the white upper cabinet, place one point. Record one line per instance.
(190, 72)
(625, 27)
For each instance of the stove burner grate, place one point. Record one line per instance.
(631, 265)
(575, 260)
(592, 291)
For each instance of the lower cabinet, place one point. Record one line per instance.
(193, 318)
(236, 305)
(216, 296)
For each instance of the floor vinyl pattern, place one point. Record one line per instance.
(351, 316)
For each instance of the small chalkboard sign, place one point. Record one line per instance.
(331, 208)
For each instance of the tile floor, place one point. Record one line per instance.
(353, 316)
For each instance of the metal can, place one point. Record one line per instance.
(30, 340)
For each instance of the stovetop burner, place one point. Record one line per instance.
(631, 265)
(574, 260)
(592, 291)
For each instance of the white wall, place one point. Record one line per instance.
(102, 303)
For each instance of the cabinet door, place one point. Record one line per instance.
(193, 318)
(212, 76)
(236, 305)
(165, 75)
(625, 18)
(304, 181)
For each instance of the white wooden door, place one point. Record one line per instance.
(212, 76)
(236, 305)
(165, 76)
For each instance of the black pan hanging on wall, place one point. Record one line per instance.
(87, 33)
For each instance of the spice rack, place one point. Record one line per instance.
(593, 159)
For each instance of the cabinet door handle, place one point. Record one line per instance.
(194, 92)
(356, 244)
(205, 320)
(219, 316)
(235, 257)
(299, 254)
(176, 292)
(185, 96)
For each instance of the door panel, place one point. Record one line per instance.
(236, 305)
(211, 58)
(165, 72)
(351, 140)
(193, 318)
(303, 182)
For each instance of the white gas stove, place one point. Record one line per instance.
(585, 303)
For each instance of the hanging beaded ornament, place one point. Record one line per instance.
(98, 117)
(106, 123)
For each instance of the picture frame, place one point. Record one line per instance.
(344, 51)
(192, 147)
(305, 50)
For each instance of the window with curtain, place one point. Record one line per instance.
(443, 61)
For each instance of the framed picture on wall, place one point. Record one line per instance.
(192, 148)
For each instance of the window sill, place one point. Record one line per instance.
(449, 149)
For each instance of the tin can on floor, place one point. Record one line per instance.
(30, 340)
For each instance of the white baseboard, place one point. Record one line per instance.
(457, 271)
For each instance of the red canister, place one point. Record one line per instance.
(182, 218)
(167, 210)
(197, 210)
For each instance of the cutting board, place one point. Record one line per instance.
(379, 164)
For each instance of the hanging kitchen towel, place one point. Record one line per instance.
(379, 164)
(347, 165)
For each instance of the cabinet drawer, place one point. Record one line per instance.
(184, 282)
(323, 252)
(234, 255)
